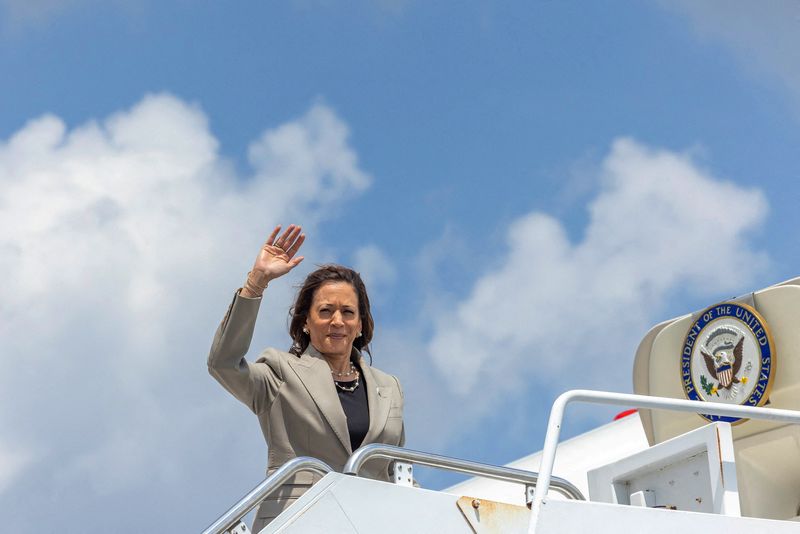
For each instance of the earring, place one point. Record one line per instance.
(359, 334)
(305, 330)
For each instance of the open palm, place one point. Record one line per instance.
(278, 255)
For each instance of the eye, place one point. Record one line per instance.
(349, 313)
(324, 312)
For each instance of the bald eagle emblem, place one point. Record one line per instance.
(722, 353)
(728, 356)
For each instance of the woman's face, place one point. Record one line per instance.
(334, 320)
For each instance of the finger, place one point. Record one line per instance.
(281, 241)
(291, 238)
(295, 262)
(288, 231)
(294, 234)
(296, 245)
(271, 238)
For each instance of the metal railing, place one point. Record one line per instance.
(635, 401)
(230, 518)
(506, 474)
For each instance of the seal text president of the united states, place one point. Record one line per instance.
(320, 398)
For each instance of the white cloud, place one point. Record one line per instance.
(764, 35)
(556, 313)
(121, 242)
(375, 267)
(13, 461)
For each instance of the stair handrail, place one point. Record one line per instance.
(636, 401)
(506, 474)
(230, 518)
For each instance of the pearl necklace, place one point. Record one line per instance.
(349, 372)
(352, 388)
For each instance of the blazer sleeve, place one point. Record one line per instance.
(255, 384)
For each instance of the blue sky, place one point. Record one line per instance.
(526, 186)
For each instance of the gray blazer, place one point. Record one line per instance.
(297, 405)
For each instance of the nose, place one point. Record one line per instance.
(337, 318)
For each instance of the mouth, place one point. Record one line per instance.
(337, 336)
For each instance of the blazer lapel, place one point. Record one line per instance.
(313, 371)
(379, 399)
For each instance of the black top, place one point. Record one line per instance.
(356, 408)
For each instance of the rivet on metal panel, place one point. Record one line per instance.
(490, 517)
(403, 474)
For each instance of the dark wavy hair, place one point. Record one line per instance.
(298, 313)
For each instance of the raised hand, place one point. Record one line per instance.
(276, 258)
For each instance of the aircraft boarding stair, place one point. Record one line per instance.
(697, 470)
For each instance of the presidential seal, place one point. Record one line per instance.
(728, 356)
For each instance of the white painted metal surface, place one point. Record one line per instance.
(576, 456)
(351, 504)
(574, 517)
(345, 504)
(693, 472)
(638, 401)
(490, 517)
